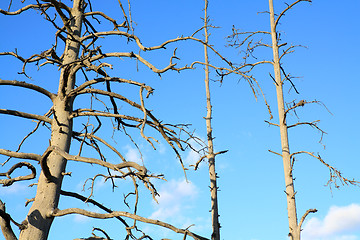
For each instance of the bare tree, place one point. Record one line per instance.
(85, 72)
(284, 110)
(210, 155)
(249, 43)
(294, 229)
(210, 145)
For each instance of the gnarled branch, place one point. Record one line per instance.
(59, 213)
(10, 181)
(334, 173)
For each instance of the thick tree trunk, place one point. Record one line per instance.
(290, 193)
(211, 156)
(48, 192)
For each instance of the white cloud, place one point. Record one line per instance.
(161, 148)
(176, 203)
(340, 223)
(191, 158)
(18, 188)
(81, 219)
(133, 155)
(175, 197)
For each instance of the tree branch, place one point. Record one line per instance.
(270, 123)
(10, 181)
(31, 6)
(138, 57)
(142, 170)
(90, 112)
(29, 86)
(110, 79)
(20, 155)
(25, 115)
(89, 200)
(288, 8)
(59, 213)
(92, 136)
(113, 21)
(304, 216)
(334, 173)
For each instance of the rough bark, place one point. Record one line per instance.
(48, 192)
(289, 182)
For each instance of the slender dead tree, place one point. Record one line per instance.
(243, 70)
(280, 77)
(210, 145)
(289, 181)
(85, 73)
(249, 43)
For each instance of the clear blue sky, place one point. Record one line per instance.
(252, 201)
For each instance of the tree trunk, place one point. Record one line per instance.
(290, 193)
(211, 156)
(48, 192)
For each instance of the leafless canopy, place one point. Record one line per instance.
(85, 94)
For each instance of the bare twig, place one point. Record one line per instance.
(304, 216)
(334, 173)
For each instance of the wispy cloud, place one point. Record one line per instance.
(19, 188)
(81, 219)
(191, 158)
(133, 155)
(176, 202)
(340, 223)
(175, 197)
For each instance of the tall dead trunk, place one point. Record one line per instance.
(289, 182)
(211, 156)
(48, 190)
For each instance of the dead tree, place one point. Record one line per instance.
(294, 227)
(85, 71)
(241, 70)
(210, 145)
(249, 42)
(284, 111)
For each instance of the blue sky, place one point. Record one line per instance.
(251, 197)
